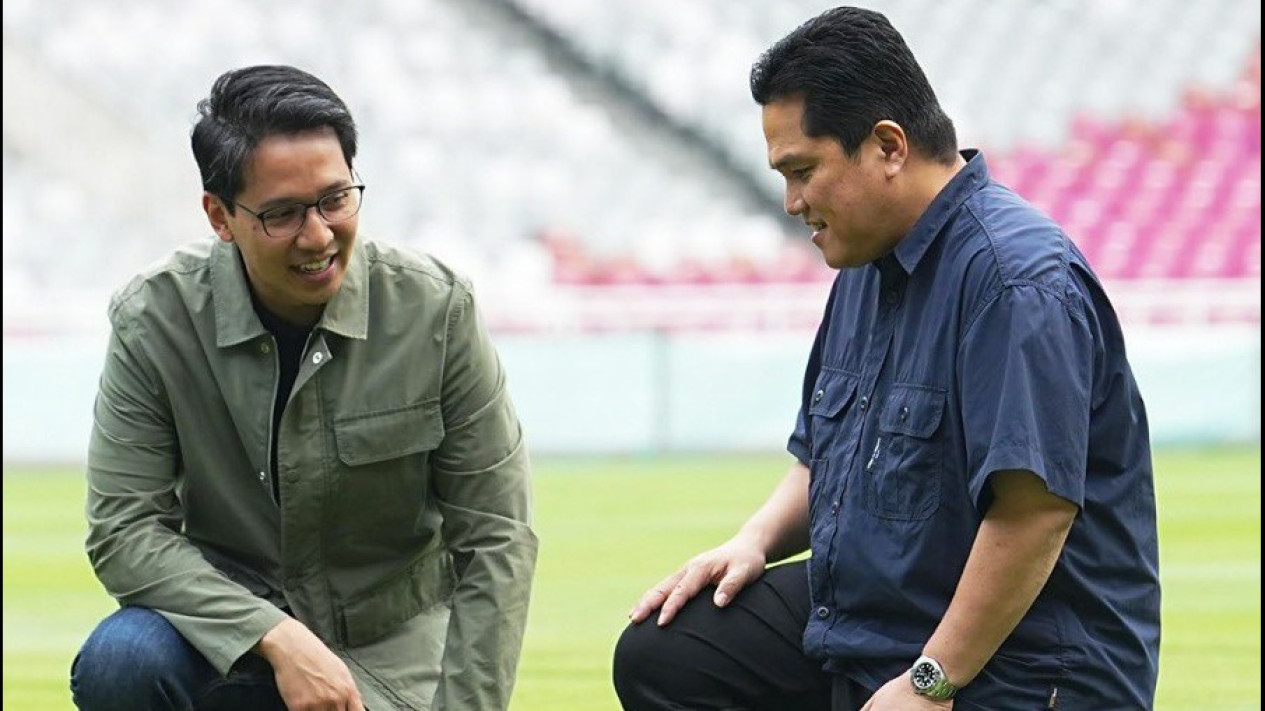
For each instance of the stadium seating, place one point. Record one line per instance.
(1157, 182)
(515, 154)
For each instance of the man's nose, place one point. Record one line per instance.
(793, 204)
(316, 232)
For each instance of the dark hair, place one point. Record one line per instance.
(852, 70)
(249, 104)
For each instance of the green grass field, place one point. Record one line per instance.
(611, 527)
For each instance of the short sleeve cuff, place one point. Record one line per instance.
(799, 450)
(1027, 459)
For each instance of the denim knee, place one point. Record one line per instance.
(135, 660)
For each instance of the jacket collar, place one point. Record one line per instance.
(347, 314)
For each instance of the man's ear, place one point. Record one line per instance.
(217, 215)
(894, 144)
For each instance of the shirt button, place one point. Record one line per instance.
(818, 395)
(263, 476)
(865, 404)
(317, 357)
(823, 612)
(265, 348)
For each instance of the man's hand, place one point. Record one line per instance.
(309, 676)
(732, 566)
(777, 530)
(898, 695)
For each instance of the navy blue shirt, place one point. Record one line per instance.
(982, 343)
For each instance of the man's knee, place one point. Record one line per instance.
(643, 664)
(746, 655)
(133, 659)
(683, 660)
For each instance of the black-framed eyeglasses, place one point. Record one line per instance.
(286, 221)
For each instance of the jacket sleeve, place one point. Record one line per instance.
(482, 483)
(135, 516)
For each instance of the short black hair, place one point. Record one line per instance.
(249, 104)
(853, 69)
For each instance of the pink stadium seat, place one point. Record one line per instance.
(1174, 199)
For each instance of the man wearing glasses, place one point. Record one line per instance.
(307, 486)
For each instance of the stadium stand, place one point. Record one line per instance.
(597, 164)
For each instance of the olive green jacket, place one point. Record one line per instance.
(403, 535)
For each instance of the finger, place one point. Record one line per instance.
(650, 601)
(688, 586)
(355, 703)
(728, 588)
(654, 597)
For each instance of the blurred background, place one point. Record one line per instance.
(598, 168)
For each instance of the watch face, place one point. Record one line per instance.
(924, 675)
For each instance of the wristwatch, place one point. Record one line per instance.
(928, 679)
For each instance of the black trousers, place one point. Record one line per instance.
(746, 657)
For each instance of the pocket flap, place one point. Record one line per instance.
(913, 410)
(379, 436)
(426, 582)
(832, 393)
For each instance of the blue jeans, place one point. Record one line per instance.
(136, 661)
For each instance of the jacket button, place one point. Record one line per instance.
(317, 357)
(263, 476)
(818, 395)
(265, 348)
(865, 404)
(904, 413)
(823, 612)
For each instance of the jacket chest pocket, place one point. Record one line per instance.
(903, 481)
(376, 437)
(385, 466)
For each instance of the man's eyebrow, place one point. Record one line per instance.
(788, 159)
(287, 200)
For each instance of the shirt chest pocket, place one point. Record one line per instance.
(832, 394)
(902, 482)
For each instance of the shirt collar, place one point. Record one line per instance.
(910, 250)
(347, 314)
